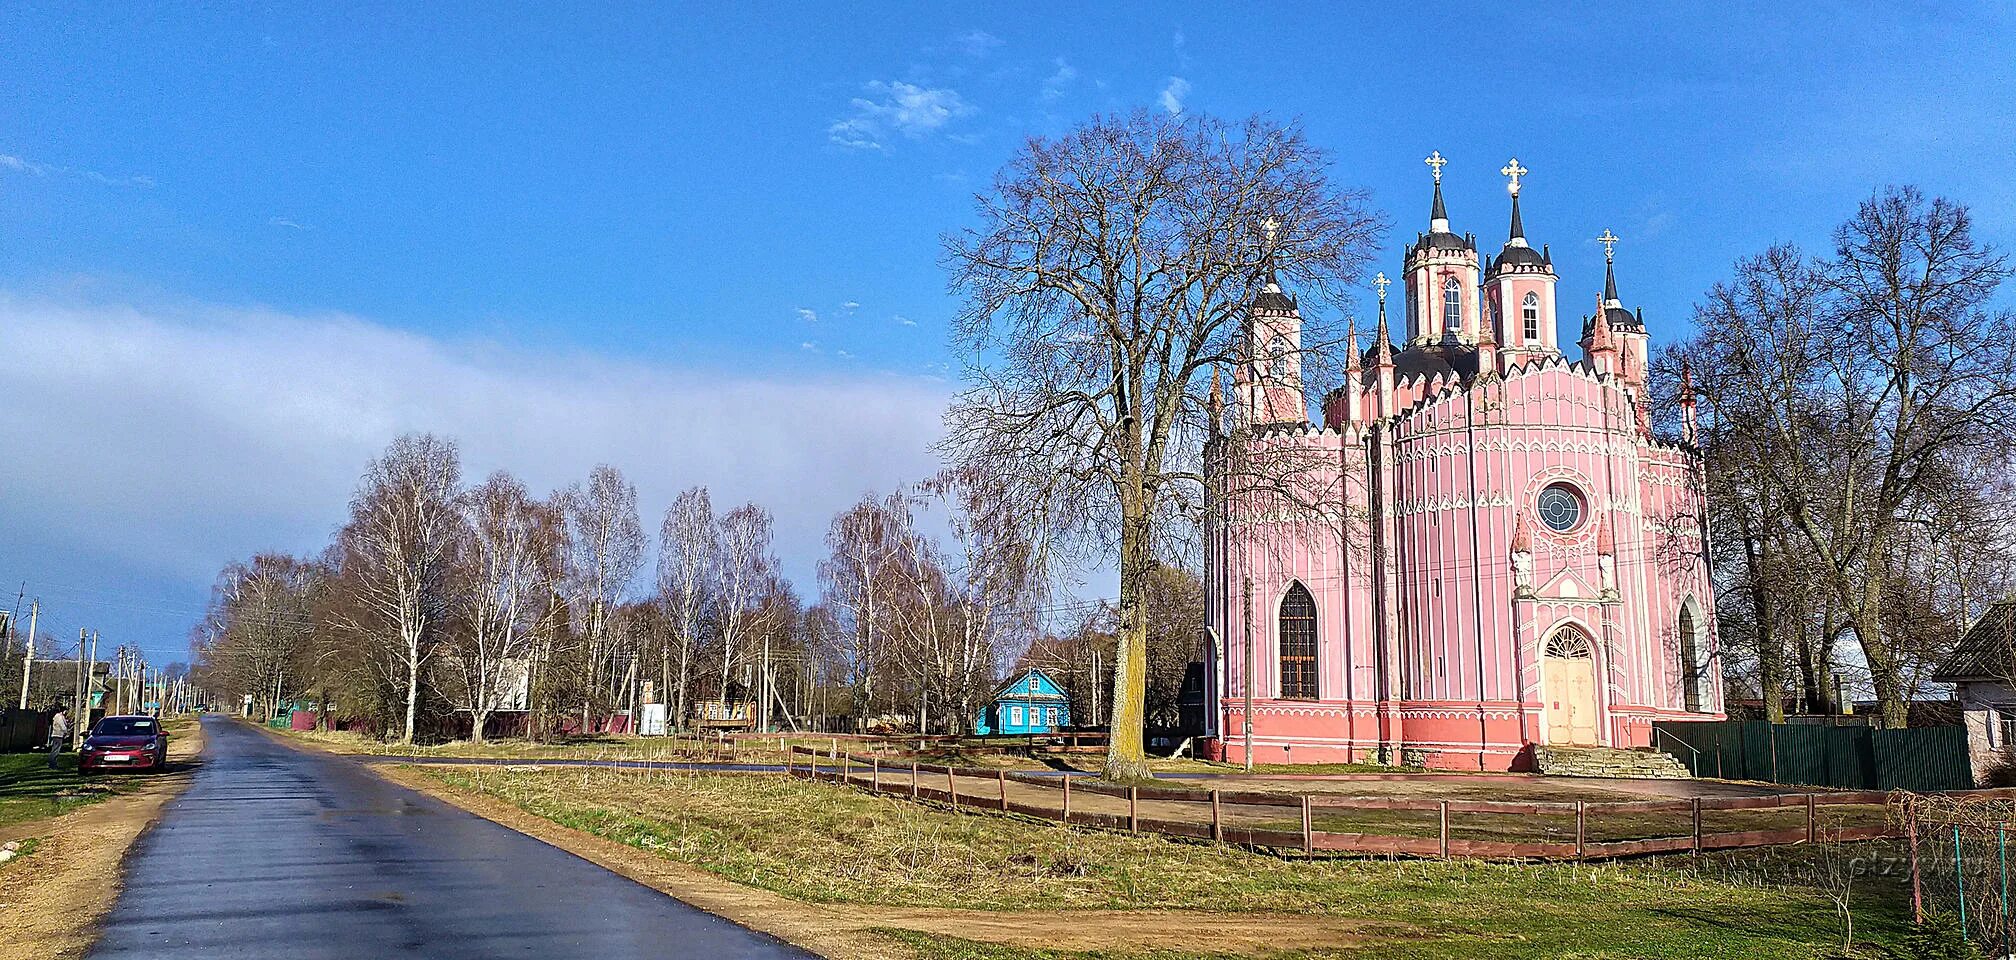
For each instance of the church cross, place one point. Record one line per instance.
(1609, 242)
(1435, 163)
(1270, 226)
(1382, 283)
(1515, 171)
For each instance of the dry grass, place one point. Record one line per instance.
(824, 843)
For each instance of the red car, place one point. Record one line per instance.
(125, 743)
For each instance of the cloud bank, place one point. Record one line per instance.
(169, 441)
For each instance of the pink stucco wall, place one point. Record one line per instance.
(1429, 647)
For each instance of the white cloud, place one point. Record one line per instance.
(897, 108)
(172, 440)
(809, 346)
(905, 321)
(808, 315)
(850, 305)
(1059, 81)
(30, 167)
(1173, 94)
(284, 222)
(977, 43)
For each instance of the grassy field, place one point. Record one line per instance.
(827, 844)
(31, 790)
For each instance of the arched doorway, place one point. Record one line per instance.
(1569, 683)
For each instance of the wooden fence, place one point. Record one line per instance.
(919, 781)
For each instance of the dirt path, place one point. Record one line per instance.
(846, 931)
(52, 900)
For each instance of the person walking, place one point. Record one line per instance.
(59, 735)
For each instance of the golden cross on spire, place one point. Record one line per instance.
(1382, 283)
(1435, 163)
(1515, 171)
(1609, 242)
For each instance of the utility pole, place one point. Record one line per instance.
(90, 679)
(1246, 598)
(78, 711)
(28, 659)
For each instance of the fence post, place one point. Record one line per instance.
(846, 766)
(1581, 828)
(1959, 879)
(874, 774)
(1133, 810)
(835, 748)
(1308, 834)
(913, 779)
(2002, 856)
(1001, 782)
(1445, 829)
(952, 788)
(1067, 799)
(1697, 824)
(1810, 832)
(1911, 838)
(1217, 823)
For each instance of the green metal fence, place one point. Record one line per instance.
(1849, 757)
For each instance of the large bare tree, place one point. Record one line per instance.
(399, 551)
(747, 571)
(1111, 271)
(1856, 400)
(607, 548)
(858, 583)
(509, 566)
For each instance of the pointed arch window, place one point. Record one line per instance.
(1570, 643)
(1277, 358)
(1297, 630)
(1529, 310)
(1452, 305)
(1692, 685)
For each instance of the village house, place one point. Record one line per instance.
(1031, 703)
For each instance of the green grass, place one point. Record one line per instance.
(31, 790)
(821, 842)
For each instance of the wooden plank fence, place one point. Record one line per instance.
(871, 773)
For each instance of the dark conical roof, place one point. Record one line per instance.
(1609, 281)
(1439, 212)
(1518, 226)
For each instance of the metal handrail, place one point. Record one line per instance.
(1695, 767)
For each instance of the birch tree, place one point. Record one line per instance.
(607, 547)
(688, 548)
(399, 551)
(509, 563)
(1110, 273)
(746, 569)
(855, 578)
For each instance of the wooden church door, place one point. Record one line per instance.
(1569, 673)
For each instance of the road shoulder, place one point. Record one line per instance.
(54, 898)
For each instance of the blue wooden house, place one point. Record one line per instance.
(1030, 703)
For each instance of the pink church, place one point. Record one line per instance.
(1519, 561)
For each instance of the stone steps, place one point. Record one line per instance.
(1607, 762)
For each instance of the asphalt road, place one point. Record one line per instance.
(276, 852)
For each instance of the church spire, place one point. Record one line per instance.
(1438, 216)
(1514, 171)
(1609, 242)
(1382, 345)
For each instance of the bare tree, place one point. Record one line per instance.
(689, 545)
(990, 578)
(856, 581)
(1852, 392)
(1112, 271)
(607, 548)
(747, 570)
(258, 636)
(508, 565)
(399, 551)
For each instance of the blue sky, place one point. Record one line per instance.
(241, 248)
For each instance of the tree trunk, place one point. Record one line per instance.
(481, 720)
(1125, 757)
(412, 687)
(1770, 684)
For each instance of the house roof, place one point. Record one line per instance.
(1988, 652)
(1011, 686)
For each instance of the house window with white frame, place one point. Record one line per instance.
(1015, 715)
(2002, 727)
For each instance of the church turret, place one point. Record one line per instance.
(1688, 431)
(1441, 277)
(1519, 288)
(1272, 375)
